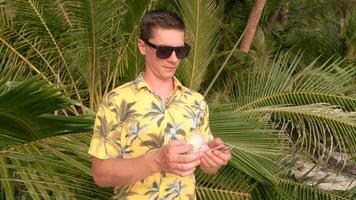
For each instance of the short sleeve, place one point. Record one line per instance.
(204, 126)
(105, 142)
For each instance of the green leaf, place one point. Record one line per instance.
(25, 113)
(228, 183)
(202, 20)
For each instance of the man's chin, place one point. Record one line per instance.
(169, 74)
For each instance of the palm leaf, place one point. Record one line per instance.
(129, 63)
(39, 54)
(287, 83)
(35, 164)
(53, 175)
(228, 183)
(78, 41)
(320, 127)
(257, 148)
(34, 161)
(202, 25)
(38, 15)
(284, 81)
(91, 31)
(39, 167)
(291, 189)
(349, 33)
(9, 73)
(6, 184)
(24, 113)
(317, 32)
(297, 190)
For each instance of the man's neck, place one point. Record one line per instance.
(162, 88)
(157, 84)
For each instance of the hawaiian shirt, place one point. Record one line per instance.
(132, 121)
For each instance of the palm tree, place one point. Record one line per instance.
(252, 23)
(275, 107)
(41, 157)
(320, 28)
(67, 44)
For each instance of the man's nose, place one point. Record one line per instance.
(173, 57)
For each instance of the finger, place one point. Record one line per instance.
(215, 158)
(210, 162)
(216, 142)
(191, 171)
(203, 148)
(185, 166)
(177, 142)
(183, 173)
(203, 162)
(185, 158)
(223, 155)
(180, 148)
(219, 147)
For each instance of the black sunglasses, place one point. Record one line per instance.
(164, 52)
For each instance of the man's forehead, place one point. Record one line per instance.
(159, 31)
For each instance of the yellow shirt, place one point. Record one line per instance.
(132, 120)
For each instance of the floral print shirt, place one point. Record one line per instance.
(132, 121)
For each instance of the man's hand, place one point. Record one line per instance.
(211, 161)
(176, 157)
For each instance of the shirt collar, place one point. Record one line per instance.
(141, 83)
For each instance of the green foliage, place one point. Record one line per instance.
(34, 161)
(202, 25)
(289, 93)
(295, 91)
(24, 110)
(228, 183)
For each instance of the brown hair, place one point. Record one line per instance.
(159, 18)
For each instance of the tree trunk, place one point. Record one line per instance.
(252, 23)
(271, 19)
(285, 13)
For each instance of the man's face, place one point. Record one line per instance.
(157, 67)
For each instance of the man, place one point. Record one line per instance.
(142, 127)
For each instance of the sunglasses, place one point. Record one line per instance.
(164, 52)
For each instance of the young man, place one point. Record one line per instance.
(141, 128)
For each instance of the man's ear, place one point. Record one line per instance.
(141, 46)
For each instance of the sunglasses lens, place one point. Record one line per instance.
(183, 51)
(164, 52)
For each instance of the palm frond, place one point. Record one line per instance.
(248, 133)
(103, 43)
(40, 54)
(11, 70)
(349, 34)
(16, 52)
(202, 20)
(6, 184)
(286, 82)
(45, 169)
(300, 191)
(258, 149)
(36, 163)
(316, 32)
(25, 109)
(320, 127)
(39, 16)
(228, 183)
(129, 61)
(92, 26)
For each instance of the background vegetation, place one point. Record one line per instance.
(289, 99)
